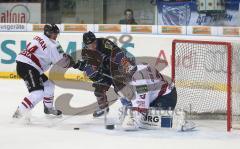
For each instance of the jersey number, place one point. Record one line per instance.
(29, 51)
(32, 49)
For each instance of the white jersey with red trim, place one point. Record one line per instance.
(148, 84)
(41, 53)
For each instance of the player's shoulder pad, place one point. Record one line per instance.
(108, 44)
(84, 53)
(59, 48)
(55, 45)
(142, 66)
(84, 50)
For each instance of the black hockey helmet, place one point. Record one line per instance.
(50, 28)
(88, 38)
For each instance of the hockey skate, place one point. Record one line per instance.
(99, 112)
(52, 112)
(188, 126)
(17, 114)
(26, 116)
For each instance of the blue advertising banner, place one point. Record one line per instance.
(187, 13)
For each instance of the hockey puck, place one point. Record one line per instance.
(110, 126)
(76, 128)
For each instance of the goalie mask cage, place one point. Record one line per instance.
(207, 78)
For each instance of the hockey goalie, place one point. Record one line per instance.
(149, 100)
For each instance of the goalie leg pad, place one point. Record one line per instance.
(157, 120)
(129, 122)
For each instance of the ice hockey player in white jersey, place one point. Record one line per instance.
(40, 54)
(149, 100)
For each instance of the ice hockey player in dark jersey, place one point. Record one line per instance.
(100, 56)
(40, 54)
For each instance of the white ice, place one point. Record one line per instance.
(44, 133)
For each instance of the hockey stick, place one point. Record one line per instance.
(81, 112)
(63, 104)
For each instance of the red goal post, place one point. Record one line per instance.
(206, 74)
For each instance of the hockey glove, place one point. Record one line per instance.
(80, 65)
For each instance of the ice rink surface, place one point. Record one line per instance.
(44, 132)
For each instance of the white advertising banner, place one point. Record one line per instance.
(20, 12)
(153, 49)
(13, 27)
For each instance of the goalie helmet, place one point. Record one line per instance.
(88, 38)
(50, 28)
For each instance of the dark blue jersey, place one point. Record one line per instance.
(103, 60)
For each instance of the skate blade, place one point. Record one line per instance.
(51, 116)
(129, 128)
(21, 120)
(185, 129)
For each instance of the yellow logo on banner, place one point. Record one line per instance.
(205, 30)
(109, 28)
(231, 31)
(141, 28)
(69, 76)
(37, 27)
(172, 29)
(75, 27)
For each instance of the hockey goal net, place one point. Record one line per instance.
(207, 78)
